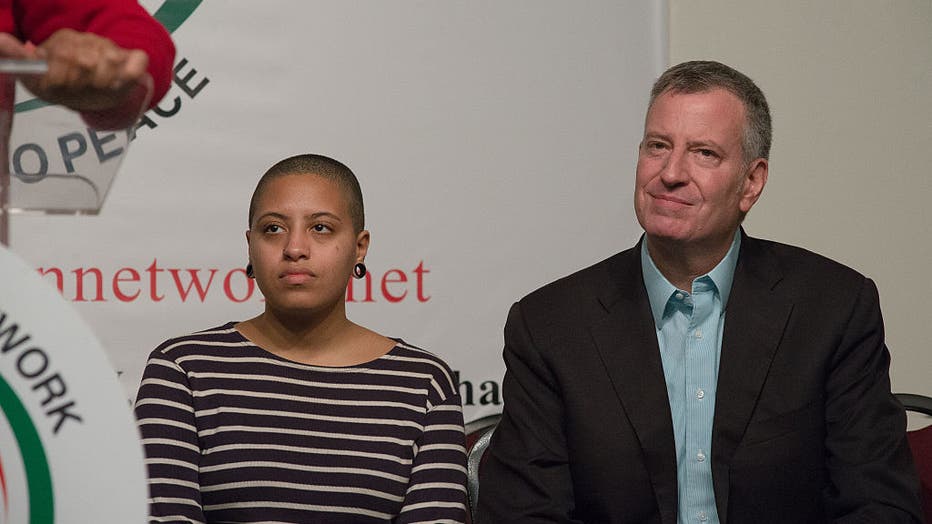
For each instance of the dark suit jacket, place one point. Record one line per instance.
(805, 427)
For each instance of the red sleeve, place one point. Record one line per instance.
(125, 22)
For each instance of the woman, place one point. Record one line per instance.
(298, 414)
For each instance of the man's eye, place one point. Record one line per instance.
(272, 228)
(655, 148)
(320, 228)
(708, 153)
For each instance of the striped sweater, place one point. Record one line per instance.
(233, 433)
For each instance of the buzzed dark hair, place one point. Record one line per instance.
(319, 165)
(704, 75)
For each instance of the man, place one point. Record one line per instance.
(702, 376)
(108, 59)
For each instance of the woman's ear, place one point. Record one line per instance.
(362, 245)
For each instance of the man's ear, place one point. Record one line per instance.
(755, 179)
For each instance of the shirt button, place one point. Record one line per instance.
(678, 296)
(698, 333)
(700, 456)
(703, 517)
(700, 394)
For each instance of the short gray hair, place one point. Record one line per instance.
(701, 76)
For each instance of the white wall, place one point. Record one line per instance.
(850, 88)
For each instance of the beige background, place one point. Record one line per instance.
(850, 88)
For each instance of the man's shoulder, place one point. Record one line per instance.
(588, 283)
(797, 262)
(797, 274)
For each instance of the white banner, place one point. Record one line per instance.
(495, 143)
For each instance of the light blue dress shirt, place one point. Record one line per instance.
(689, 330)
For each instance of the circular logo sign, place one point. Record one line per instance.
(69, 448)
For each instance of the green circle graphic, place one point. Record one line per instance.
(38, 477)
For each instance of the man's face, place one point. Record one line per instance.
(693, 184)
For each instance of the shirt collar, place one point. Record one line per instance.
(659, 289)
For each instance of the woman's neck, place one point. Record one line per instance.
(326, 340)
(301, 331)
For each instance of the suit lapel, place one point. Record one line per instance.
(627, 343)
(755, 318)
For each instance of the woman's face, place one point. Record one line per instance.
(302, 243)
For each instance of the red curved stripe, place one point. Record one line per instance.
(6, 503)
